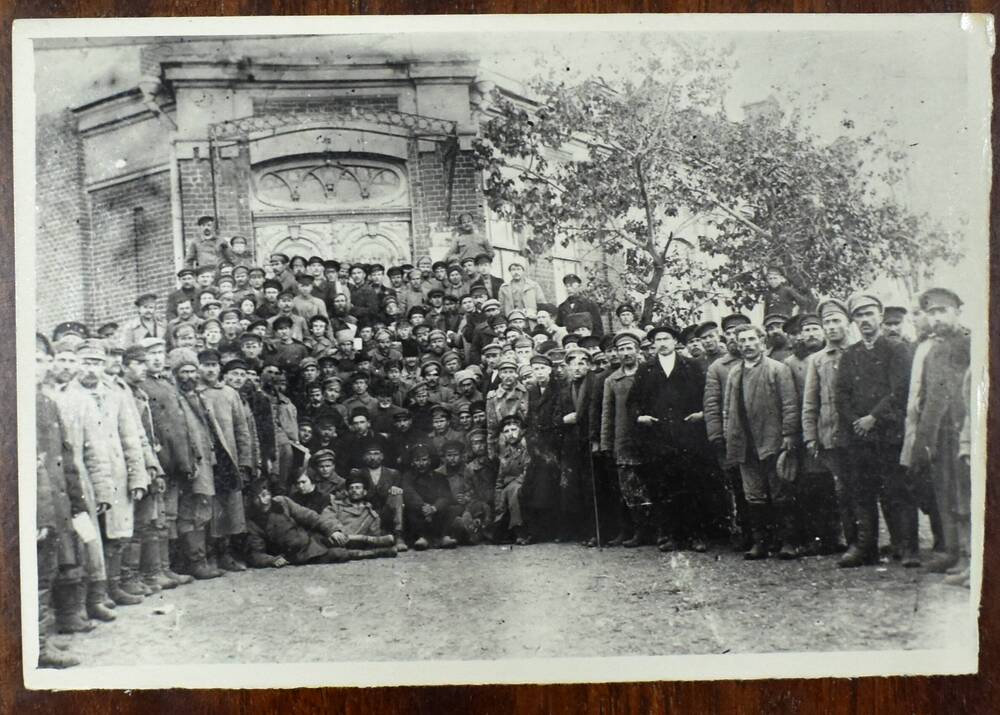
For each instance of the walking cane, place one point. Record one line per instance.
(593, 488)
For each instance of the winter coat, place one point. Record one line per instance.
(541, 484)
(578, 304)
(119, 428)
(226, 408)
(670, 400)
(502, 403)
(772, 410)
(820, 422)
(174, 444)
(524, 295)
(942, 400)
(715, 392)
(290, 530)
(134, 330)
(617, 431)
(874, 382)
(353, 518)
(60, 490)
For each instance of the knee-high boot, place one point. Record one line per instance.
(70, 604)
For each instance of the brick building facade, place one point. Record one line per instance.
(362, 160)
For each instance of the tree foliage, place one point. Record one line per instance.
(648, 165)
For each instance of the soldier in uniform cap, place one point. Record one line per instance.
(508, 398)
(188, 290)
(873, 376)
(431, 510)
(711, 342)
(626, 316)
(514, 462)
(70, 327)
(691, 344)
(203, 249)
(520, 292)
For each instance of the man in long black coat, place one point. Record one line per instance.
(872, 385)
(665, 405)
(540, 492)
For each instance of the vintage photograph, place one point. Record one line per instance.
(385, 351)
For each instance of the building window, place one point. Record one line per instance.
(329, 183)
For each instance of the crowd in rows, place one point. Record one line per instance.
(316, 411)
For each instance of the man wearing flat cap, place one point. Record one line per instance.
(815, 498)
(576, 303)
(520, 292)
(665, 405)
(187, 290)
(618, 440)
(935, 449)
(873, 379)
(510, 397)
(778, 347)
(711, 341)
(892, 322)
(144, 324)
(305, 304)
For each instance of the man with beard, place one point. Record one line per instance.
(873, 377)
(430, 508)
(509, 398)
(233, 458)
(939, 421)
(430, 371)
(119, 434)
(760, 421)
(665, 404)
(815, 497)
(777, 342)
(331, 287)
(384, 491)
(353, 444)
(821, 430)
(403, 438)
(618, 441)
(340, 316)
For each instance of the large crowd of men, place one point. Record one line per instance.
(316, 411)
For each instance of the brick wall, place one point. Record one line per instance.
(232, 193)
(132, 246)
(430, 195)
(62, 223)
(196, 195)
(273, 105)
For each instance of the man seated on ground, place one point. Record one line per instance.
(353, 515)
(385, 490)
(475, 511)
(280, 532)
(429, 506)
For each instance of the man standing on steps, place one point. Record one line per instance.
(873, 379)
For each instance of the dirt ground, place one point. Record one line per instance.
(544, 600)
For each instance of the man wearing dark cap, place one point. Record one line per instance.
(476, 512)
(892, 322)
(288, 350)
(145, 324)
(778, 347)
(576, 303)
(430, 508)
(626, 317)
(305, 304)
(490, 283)
(618, 441)
(203, 248)
(385, 490)
(873, 377)
(70, 327)
(691, 344)
(815, 498)
(935, 448)
(234, 461)
(821, 432)
(282, 273)
(781, 296)
(187, 290)
(711, 341)
(666, 403)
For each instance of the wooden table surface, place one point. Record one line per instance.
(953, 695)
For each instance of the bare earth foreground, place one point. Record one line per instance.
(537, 601)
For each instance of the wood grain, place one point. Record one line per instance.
(972, 694)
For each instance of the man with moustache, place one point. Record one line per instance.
(873, 378)
(821, 429)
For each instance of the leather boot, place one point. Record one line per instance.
(97, 591)
(400, 542)
(149, 565)
(131, 580)
(194, 546)
(164, 545)
(757, 515)
(70, 603)
(226, 561)
(49, 656)
(864, 552)
(788, 526)
(357, 554)
(909, 535)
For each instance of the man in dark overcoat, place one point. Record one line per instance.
(665, 405)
